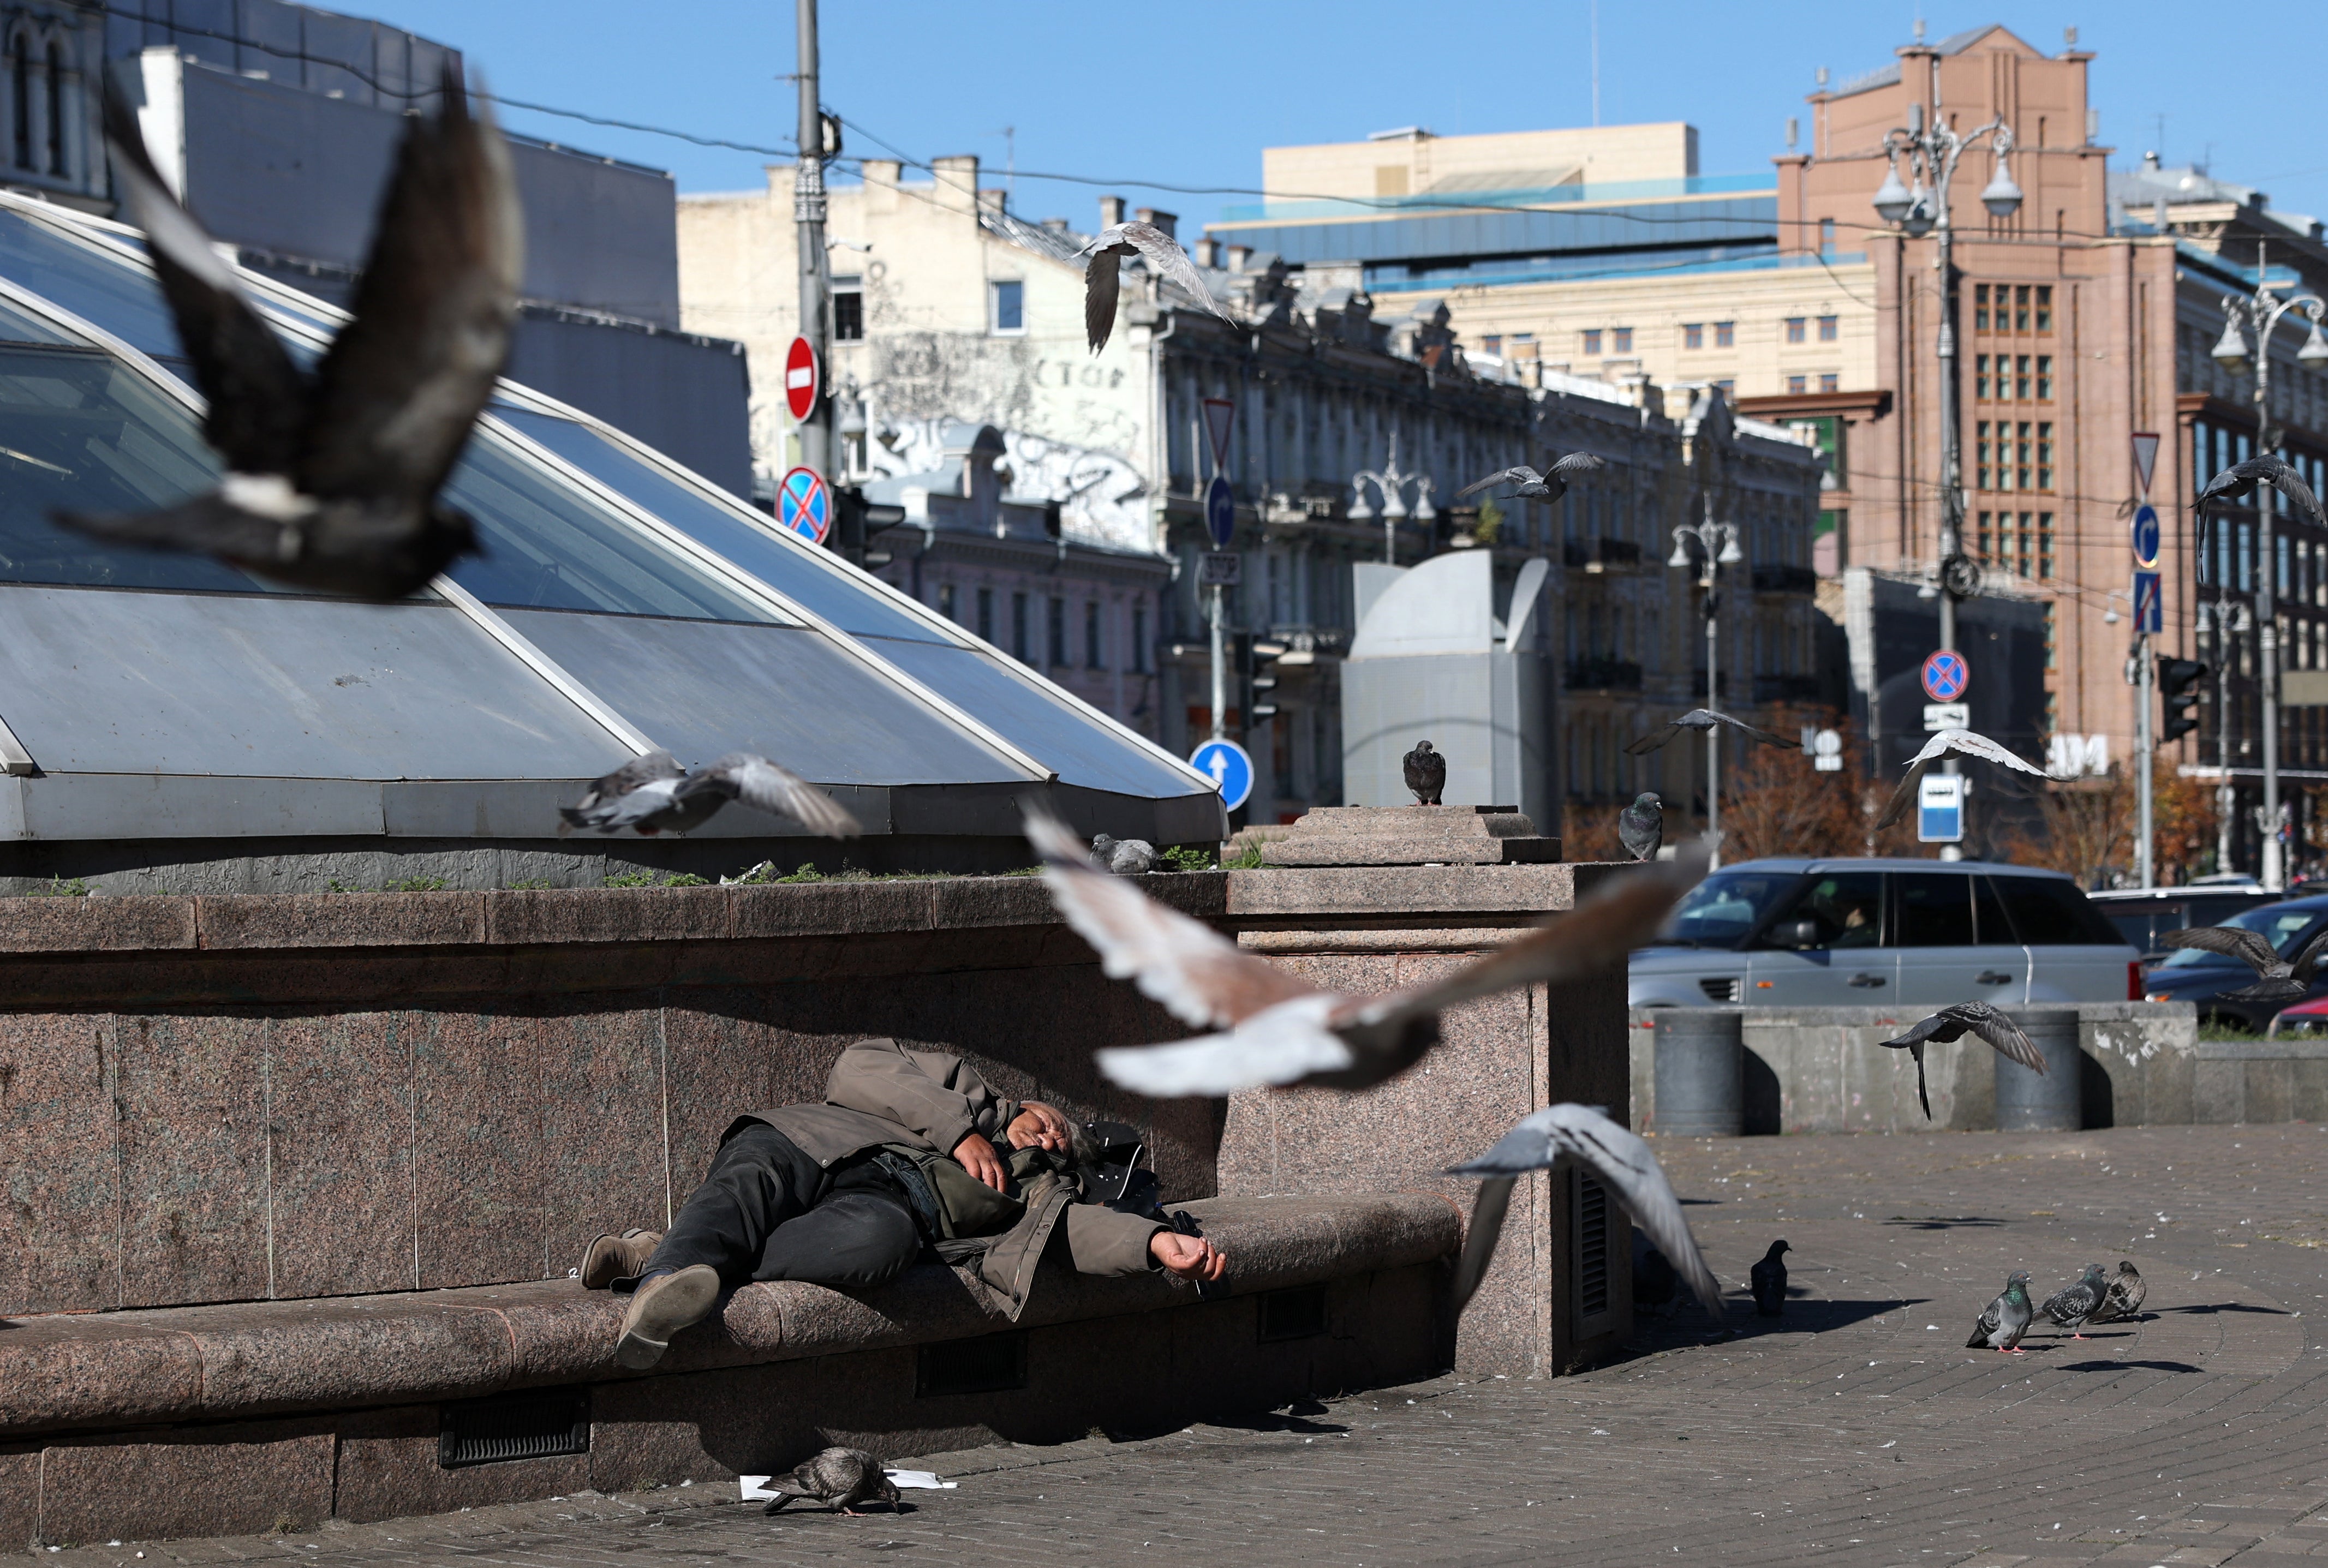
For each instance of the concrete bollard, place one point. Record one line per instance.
(1701, 1073)
(2026, 1103)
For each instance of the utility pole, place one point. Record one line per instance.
(1220, 665)
(2144, 744)
(1717, 543)
(808, 212)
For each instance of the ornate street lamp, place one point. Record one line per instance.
(1390, 484)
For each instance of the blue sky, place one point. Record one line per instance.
(1189, 94)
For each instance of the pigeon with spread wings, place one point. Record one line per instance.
(1701, 720)
(2276, 978)
(1103, 278)
(1277, 1030)
(1529, 485)
(1963, 742)
(333, 477)
(1952, 1023)
(653, 794)
(2238, 482)
(1582, 1134)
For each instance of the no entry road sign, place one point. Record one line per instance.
(1945, 676)
(804, 504)
(799, 379)
(1230, 768)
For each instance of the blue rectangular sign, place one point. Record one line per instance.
(2149, 602)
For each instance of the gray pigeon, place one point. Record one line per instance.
(1952, 1023)
(654, 795)
(1102, 279)
(840, 1478)
(1704, 718)
(1426, 774)
(1549, 485)
(1963, 742)
(2238, 482)
(2074, 1304)
(1641, 826)
(2123, 1301)
(2000, 1327)
(1124, 857)
(1769, 1280)
(2278, 978)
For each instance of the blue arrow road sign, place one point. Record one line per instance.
(1220, 512)
(2146, 536)
(2149, 611)
(1230, 768)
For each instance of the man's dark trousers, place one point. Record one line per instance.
(767, 1211)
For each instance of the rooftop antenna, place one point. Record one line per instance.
(1822, 78)
(1919, 24)
(1009, 134)
(1596, 61)
(1794, 132)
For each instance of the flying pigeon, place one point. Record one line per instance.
(1951, 1023)
(2277, 979)
(1101, 278)
(1547, 487)
(1124, 857)
(1277, 1030)
(2006, 1319)
(2238, 482)
(1706, 719)
(654, 795)
(2126, 1290)
(1426, 774)
(1580, 1132)
(2072, 1304)
(1770, 1281)
(332, 477)
(1641, 826)
(840, 1478)
(1946, 741)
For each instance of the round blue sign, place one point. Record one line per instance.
(1945, 676)
(805, 505)
(1220, 514)
(1230, 768)
(2146, 536)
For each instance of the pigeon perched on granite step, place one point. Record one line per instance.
(1769, 1278)
(1426, 774)
(1641, 826)
(2074, 1304)
(2007, 1318)
(1124, 857)
(2124, 1302)
(840, 1478)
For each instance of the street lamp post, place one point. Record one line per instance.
(1717, 546)
(2260, 315)
(1390, 485)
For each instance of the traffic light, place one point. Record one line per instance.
(2178, 683)
(857, 520)
(1256, 670)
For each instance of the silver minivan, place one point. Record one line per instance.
(1815, 933)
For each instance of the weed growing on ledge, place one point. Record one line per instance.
(1190, 857)
(61, 888)
(414, 885)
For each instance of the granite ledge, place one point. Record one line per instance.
(1416, 893)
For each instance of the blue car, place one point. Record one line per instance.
(2192, 974)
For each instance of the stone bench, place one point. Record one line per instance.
(214, 1420)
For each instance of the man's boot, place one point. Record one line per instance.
(661, 1308)
(622, 1257)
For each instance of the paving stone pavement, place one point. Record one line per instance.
(1857, 1429)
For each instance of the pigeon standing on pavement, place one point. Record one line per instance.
(1653, 1280)
(1641, 826)
(1103, 278)
(1529, 485)
(2071, 1305)
(1426, 774)
(1704, 718)
(840, 1478)
(1769, 1280)
(2123, 1301)
(654, 795)
(2006, 1319)
(1124, 857)
(2276, 978)
(1951, 1023)
(333, 477)
(1962, 741)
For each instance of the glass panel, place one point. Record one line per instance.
(2049, 912)
(101, 289)
(1989, 919)
(1844, 909)
(1933, 909)
(1720, 910)
(815, 579)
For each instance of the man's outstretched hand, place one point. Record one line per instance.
(977, 1156)
(1039, 1126)
(1189, 1257)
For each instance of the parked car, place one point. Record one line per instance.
(2192, 974)
(2144, 915)
(1817, 933)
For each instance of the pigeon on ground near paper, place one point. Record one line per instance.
(1951, 1023)
(2276, 978)
(1653, 1280)
(654, 795)
(1580, 1132)
(1962, 741)
(1641, 826)
(2238, 482)
(1124, 857)
(2126, 1290)
(2072, 1304)
(2006, 1319)
(1102, 280)
(1770, 1281)
(1549, 485)
(1703, 718)
(1277, 1030)
(333, 477)
(1426, 774)
(838, 1478)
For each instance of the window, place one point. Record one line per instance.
(1624, 340)
(1827, 324)
(2045, 307)
(946, 606)
(1057, 628)
(56, 137)
(1018, 628)
(1592, 340)
(986, 614)
(20, 71)
(1693, 334)
(2020, 307)
(1795, 326)
(2044, 543)
(1980, 307)
(848, 310)
(1827, 237)
(1493, 343)
(1726, 334)
(2044, 378)
(1987, 544)
(1010, 305)
(1931, 910)
(1140, 639)
(1980, 377)
(1796, 384)
(1093, 656)
(1981, 456)
(1829, 381)
(1727, 386)
(2022, 442)
(2045, 456)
